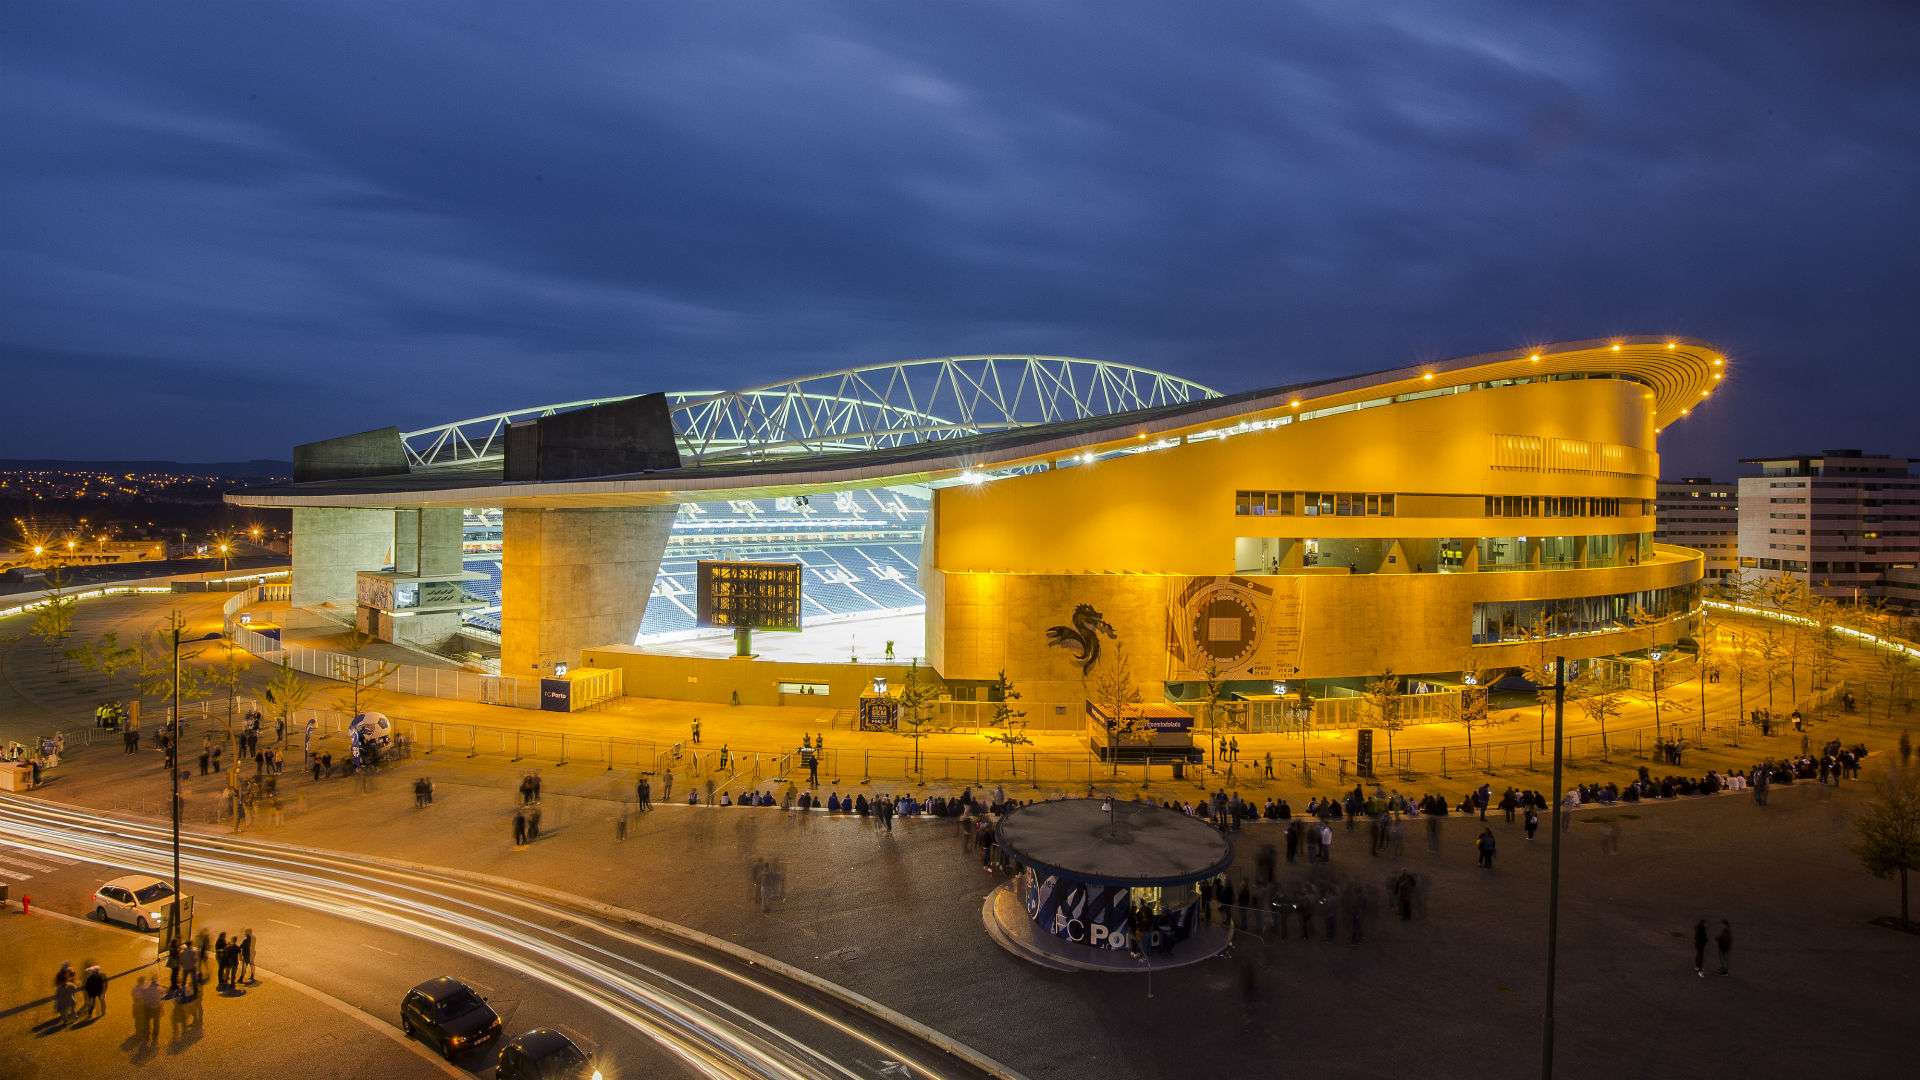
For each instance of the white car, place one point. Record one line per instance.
(140, 900)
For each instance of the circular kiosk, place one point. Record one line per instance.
(1094, 867)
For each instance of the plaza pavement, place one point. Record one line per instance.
(243, 1033)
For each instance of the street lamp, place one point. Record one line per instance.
(224, 548)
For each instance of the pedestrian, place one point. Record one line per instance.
(246, 955)
(173, 965)
(182, 1016)
(533, 823)
(151, 997)
(139, 1009)
(63, 994)
(1532, 822)
(696, 731)
(94, 983)
(1724, 940)
(536, 787)
(519, 828)
(222, 962)
(1433, 834)
(666, 786)
(1485, 845)
(1326, 842)
(1700, 948)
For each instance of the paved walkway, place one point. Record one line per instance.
(270, 1029)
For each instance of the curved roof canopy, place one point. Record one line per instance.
(862, 427)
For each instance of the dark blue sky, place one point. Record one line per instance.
(233, 226)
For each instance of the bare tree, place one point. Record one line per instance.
(1475, 712)
(1538, 636)
(1887, 832)
(287, 691)
(1115, 692)
(361, 674)
(1600, 699)
(1010, 720)
(1893, 668)
(1383, 696)
(1214, 685)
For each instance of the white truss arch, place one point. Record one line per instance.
(860, 408)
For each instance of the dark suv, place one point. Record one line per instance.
(447, 1015)
(544, 1054)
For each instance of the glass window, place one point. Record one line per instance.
(1273, 502)
(1286, 502)
(1373, 505)
(1386, 506)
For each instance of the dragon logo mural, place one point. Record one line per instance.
(1082, 638)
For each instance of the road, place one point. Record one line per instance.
(654, 1001)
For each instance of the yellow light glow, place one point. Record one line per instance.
(1670, 344)
(1704, 393)
(1718, 362)
(1535, 358)
(1428, 376)
(1616, 346)
(1718, 375)
(1294, 404)
(1686, 412)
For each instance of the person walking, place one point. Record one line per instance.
(666, 786)
(1486, 845)
(1724, 940)
(221, 960)
(94, 983)
(246, 957)
(1326, 842)
(138, 1006)
(1700, 948)
(1532, 822)
(64, 992)
(519, 828)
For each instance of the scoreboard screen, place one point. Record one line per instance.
(747, 595)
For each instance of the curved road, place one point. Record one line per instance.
(652, 995)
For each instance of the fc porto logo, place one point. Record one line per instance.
(1224, 626)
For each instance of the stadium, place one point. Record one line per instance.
(1053, 519)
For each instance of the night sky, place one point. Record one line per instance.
(229, 227)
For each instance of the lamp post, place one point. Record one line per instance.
(224, 549)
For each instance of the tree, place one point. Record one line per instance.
(915, 695)
(1600, 699)
(1888, 831)
(1383, 698)
(148, 664)
(1773, 656)
(288, 692)
(228, 675)
(1538, 635)
(53, 616)
(1476, 713)
(1011, 721)
(1115, 692)
(361, 674)
(1743, 666)
(1892, 666)
(1215, 687)
(1641, 618)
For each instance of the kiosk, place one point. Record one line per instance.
(1108, 885)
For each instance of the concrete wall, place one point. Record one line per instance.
(331, 546)
(573, 579)
(633, 435)
(369, 453)
(715, 681)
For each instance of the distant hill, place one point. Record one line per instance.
(258, 468)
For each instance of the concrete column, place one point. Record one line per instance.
(331, 545)
(429, 542)
(572, 579)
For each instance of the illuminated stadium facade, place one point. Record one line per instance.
(1048, 514)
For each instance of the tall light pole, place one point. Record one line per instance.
(1553, 871)
(173, 771)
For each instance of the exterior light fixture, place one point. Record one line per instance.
(1704, 393)
(1428, 376)
(1086, 457)
(1535, 358)
(1294, 404)
(1686, 412)
(1719, 362)
(1616, 346)
(1717, 376)
(1670, 344)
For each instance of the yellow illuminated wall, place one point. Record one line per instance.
(1009, 558)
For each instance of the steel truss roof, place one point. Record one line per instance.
(860, 408)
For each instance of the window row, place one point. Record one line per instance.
(1312, 504)
(1559, 506)
(1518, 620)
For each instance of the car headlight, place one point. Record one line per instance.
(456, 1040)
(158, 916)
(596, 1074)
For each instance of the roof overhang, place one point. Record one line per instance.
(1680, 375)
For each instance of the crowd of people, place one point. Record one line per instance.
(81, 997)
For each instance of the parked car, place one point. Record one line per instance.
(139, 900)
(544, 1054)
(446, 1014)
